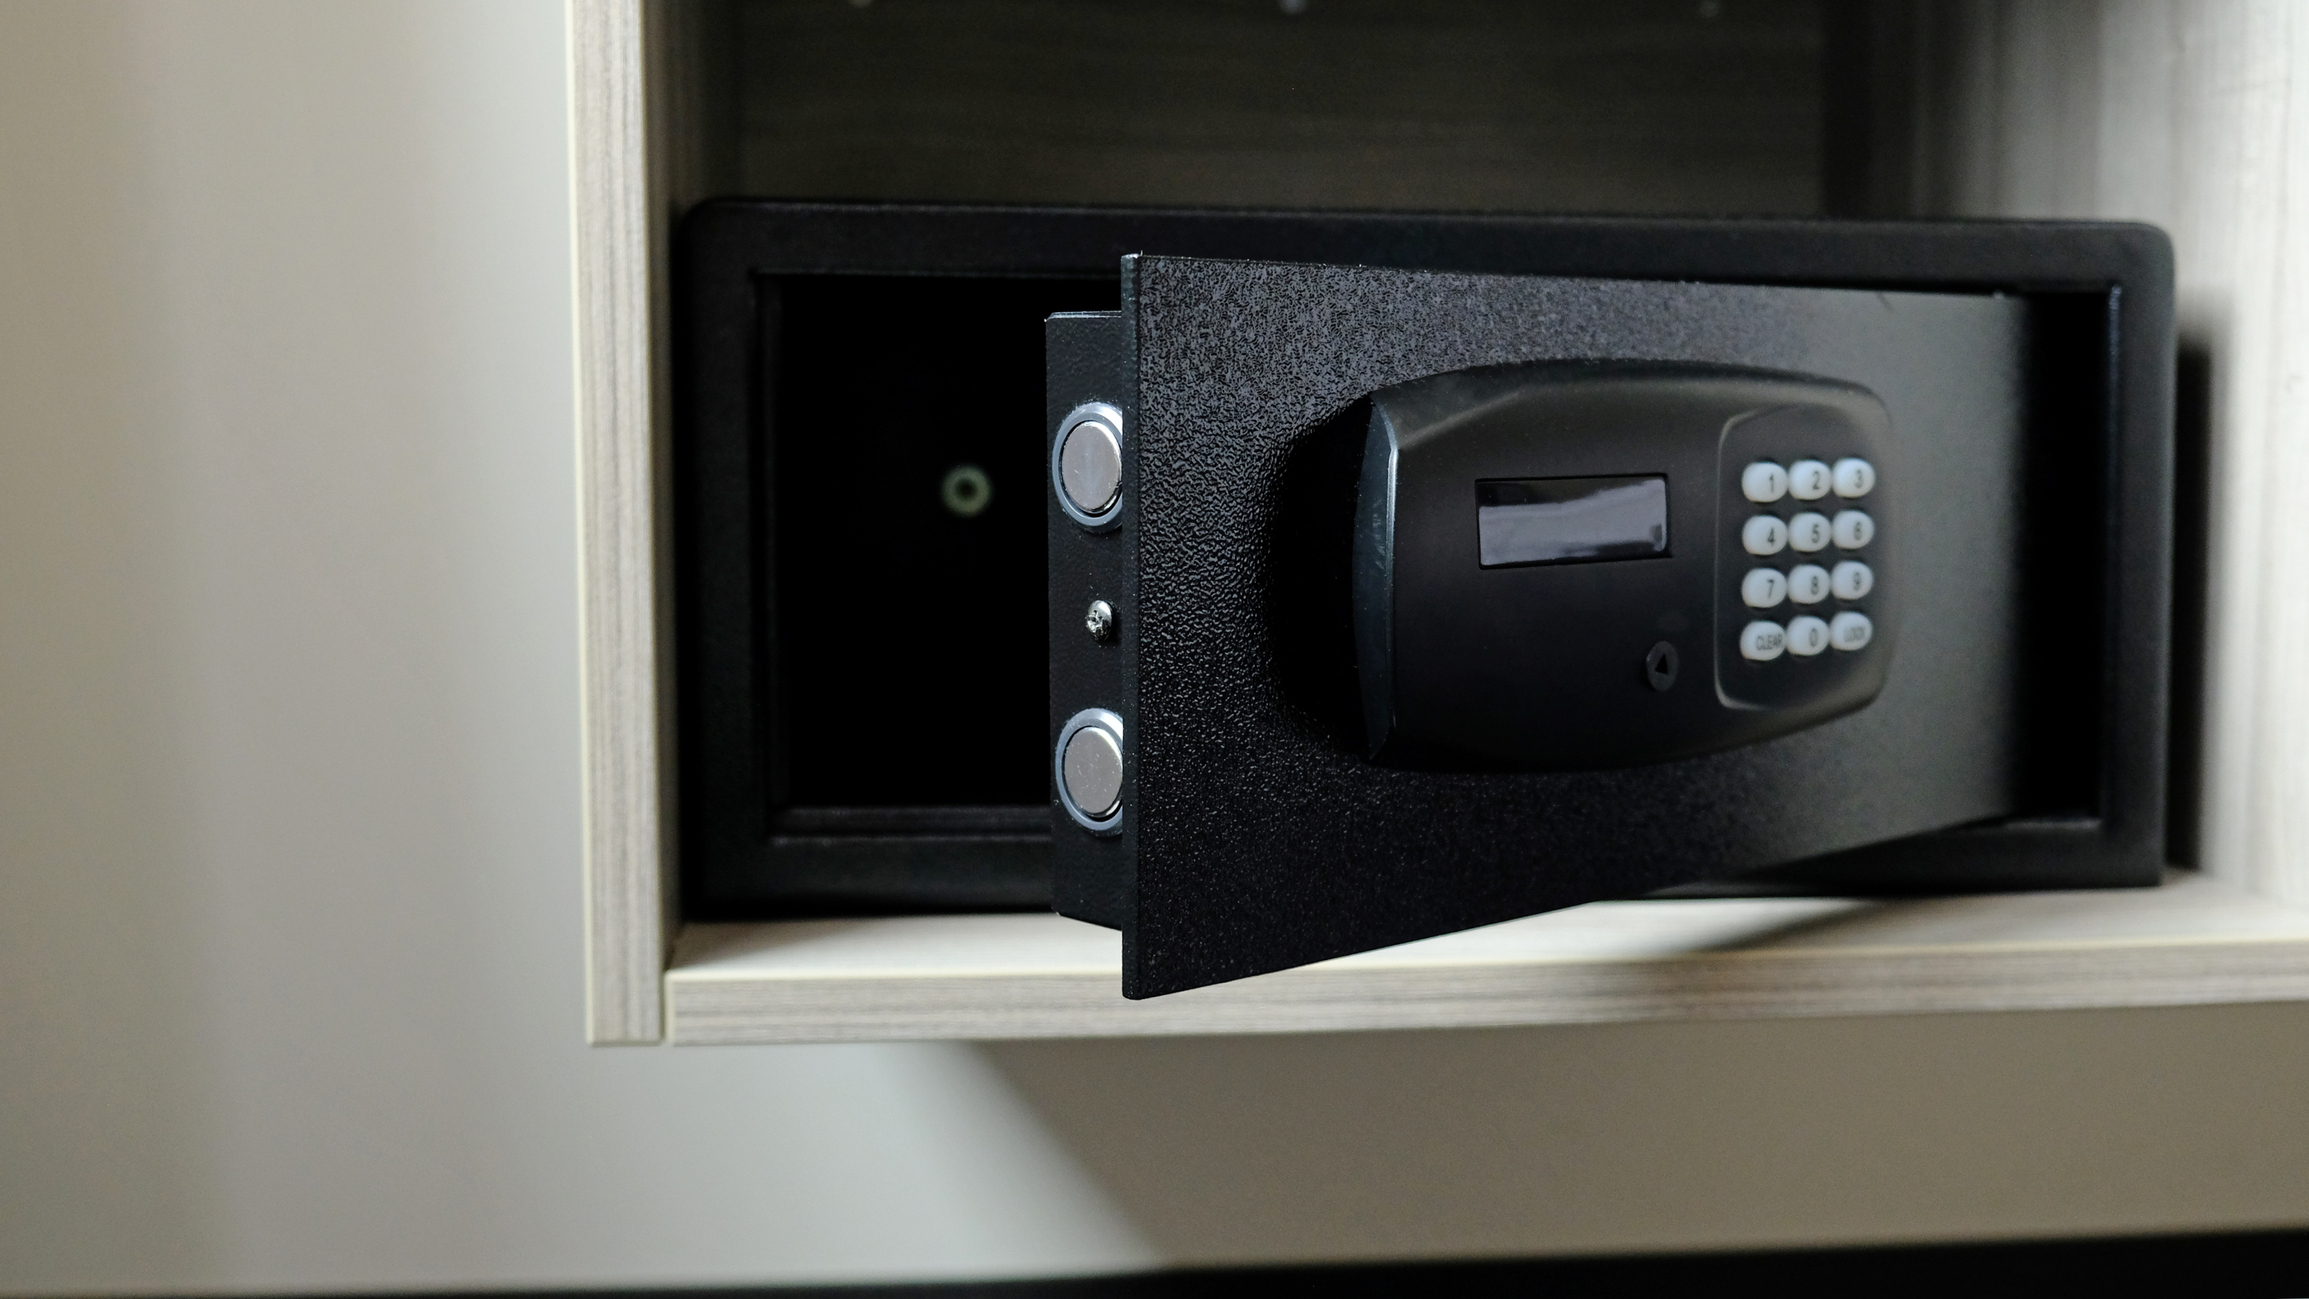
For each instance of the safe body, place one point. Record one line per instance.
(2015, 737)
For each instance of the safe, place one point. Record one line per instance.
(1274, 586)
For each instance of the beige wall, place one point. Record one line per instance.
(289, 967)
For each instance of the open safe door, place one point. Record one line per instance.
(1386, 602)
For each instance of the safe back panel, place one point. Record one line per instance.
(2021, 698)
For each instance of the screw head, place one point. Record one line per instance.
(1098, 620)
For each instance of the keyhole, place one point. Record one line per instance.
(1660, 666)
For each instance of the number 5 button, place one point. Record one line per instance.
(1809, 531)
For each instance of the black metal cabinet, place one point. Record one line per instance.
(892, 630)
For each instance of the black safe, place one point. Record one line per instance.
(1273, 586)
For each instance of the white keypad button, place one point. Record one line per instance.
(1850, 631)
(1808, 531)
(1854, 477)
(1854, 529)
(1764, 535)
(1762, 642)
(1852, 579)
(1763, 482)
(1808, 480)
(1763, 587)
(1807, 636)
(1807, 584)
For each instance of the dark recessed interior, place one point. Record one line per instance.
(906, 435)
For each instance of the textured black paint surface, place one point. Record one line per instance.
(1262, 842)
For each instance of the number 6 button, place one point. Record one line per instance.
(1854, 529)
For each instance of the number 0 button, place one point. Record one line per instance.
(1764, 535)
(1807, 636)
(1854, 529)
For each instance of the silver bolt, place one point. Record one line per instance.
(1089, 770)
(1090, 466)
(1094, 772)
(1086, 465)
(1099, 620)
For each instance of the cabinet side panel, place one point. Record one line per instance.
(618, 241)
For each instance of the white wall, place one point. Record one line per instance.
(289, 924)
(289, 968)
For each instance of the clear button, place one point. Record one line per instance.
(1761, 642)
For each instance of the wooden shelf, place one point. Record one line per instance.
(2195, 940)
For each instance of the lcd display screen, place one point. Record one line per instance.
(1570, 520)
